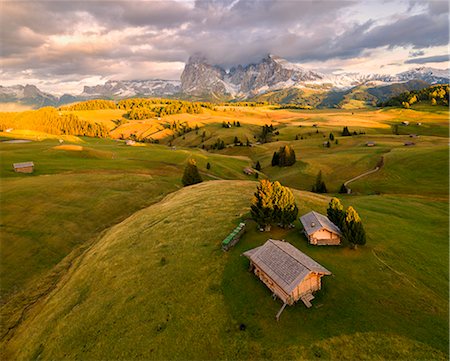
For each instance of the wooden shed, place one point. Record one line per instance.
(25, 167)
(320, 230)
(248, 171)
(290, 274)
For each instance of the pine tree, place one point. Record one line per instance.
(208, 166)
(352, 229)
(335, 212)
(262, 205)
(285, 209)
(331, 136)
(275, 159)
(346, 132)
(319, 186)
(258, 166)
(343, 189)
(191, 174)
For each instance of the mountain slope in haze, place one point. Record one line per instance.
(201, 80)
(27, 95)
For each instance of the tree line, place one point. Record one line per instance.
(436, 94)
(49, 120)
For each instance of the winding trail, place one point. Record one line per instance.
(376, 169)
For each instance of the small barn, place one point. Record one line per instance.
(130, 142)
(320, 230)
(289, 273)
(25, 167)
(409, 144)
(370, 144)
(249, 171)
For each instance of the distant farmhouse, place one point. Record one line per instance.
(290, 274)
(320, 230)
(370, 144)
(25, 167)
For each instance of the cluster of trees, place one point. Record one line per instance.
(49, 120)
(273, 203)
(436, 94)
(229, 125)
(284, 157)
(295, 106)
(244, 104)
(346, 133)
(319, 186)
(219, 144)
(191, 174)
(348, 221)
(143, 108)
(266, 133)
(96, 104)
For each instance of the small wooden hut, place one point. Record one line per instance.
(25, 167)
(290, 274)
(248, 171)
(320, 230)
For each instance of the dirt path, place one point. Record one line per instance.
(376, 169)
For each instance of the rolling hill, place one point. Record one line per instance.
(160, 275)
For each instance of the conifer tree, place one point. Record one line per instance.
(343, 189)
(262, 205)
(275, 159)
(285, 209)
(335, 212)
(258, 166)
(346, 132)
(191, 174)
(319, 186)
(353, 230)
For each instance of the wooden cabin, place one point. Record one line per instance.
(25, 167)
(290, 274)
(248, 171)
(320, 230)
(370, 144)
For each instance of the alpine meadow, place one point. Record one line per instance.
(224, 180)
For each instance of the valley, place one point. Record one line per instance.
(102, 247)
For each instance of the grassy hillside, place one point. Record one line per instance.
(160, 276)
(77, 191)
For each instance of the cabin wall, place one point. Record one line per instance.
(24, 170)
(272, 285)
(310, 284)
(324, 237)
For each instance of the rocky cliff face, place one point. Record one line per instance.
(274, 73)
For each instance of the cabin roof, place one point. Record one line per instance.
(284, 263)
(23, 165)
(313, 222)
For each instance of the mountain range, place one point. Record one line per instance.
(271, 79)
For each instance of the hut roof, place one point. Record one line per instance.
(313, 222)
(23, 165)
(284, 263)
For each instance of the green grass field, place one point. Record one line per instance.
(106, 256)
(160, 275)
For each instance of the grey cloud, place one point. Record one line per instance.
(428, 59)
(228, 32)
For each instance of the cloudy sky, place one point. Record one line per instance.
(62, 45)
